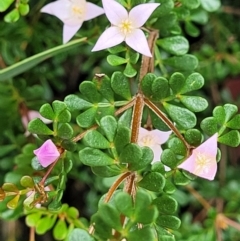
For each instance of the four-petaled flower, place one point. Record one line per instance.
(47, 153)
(203, 162)
(126, 26)
(153, 139)
(72, 13)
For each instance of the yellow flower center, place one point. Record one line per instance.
(203, 163)
(77, 11)
(147, 141)
(126, 26)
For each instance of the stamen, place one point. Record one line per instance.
(126, 26)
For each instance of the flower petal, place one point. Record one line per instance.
(137, 41)
(114, 11)
(161, 136)
(203, 162)
(109, 38)
(157, 151)
(69, 31)
(209, 146)
(92, 11)
(140, 14)
(47, 153)
(60, 9)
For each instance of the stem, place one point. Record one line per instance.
(80, 136)
(116, 185)
(165, 119)
(203, 201)
(32, 234)
(41, 183)
(137, 117)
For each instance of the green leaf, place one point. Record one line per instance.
(191, 29)
(144, 234)
(180, 179)
(146, 159)
(30, 62)
(27, 181)
(131, 153)
(110, 216)
(230, 111)
(209, 125)
(177, 146)
(95, 139)
(108, 125)
(106, 171)
(23, 9)
(129, 71)
(6, 149)
(37, 126)
(186, 62)
(146, 84)
(164, 234)
(194, 103)
(153, 181)
(87, 118)
(194, 81)
(10, 187)
(122, 138)
(4, 5)
(120, 85)
(12, 16)
(12, 204)
(176, 82)
(47, 112)
(115, 60)
(166, 204)
(61, 112)
(44, 224)
(60, 230)
(74, 102)
(124, 203)
(191, 4)
(164, 9)
(32, 219)
(78, 233)
(169, 159)
(181, 116)
(104, 87)
(144, 212)
(94, 157)
(193, 137)
(232, 138)
(234, 123)
(65, 131)
(177, 45)
(169, 187)
(211, 6)
(169, 221)
(160, 88)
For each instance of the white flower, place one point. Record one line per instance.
(153, 139)
(126, 26)
(203, 162)
(72, 13)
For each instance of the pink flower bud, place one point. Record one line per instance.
(47, 153)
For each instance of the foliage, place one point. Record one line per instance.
(92, 106)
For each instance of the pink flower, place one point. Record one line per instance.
(72, 13)
(153, 139)
(47, 153)
(203, 162)
(126, 26)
